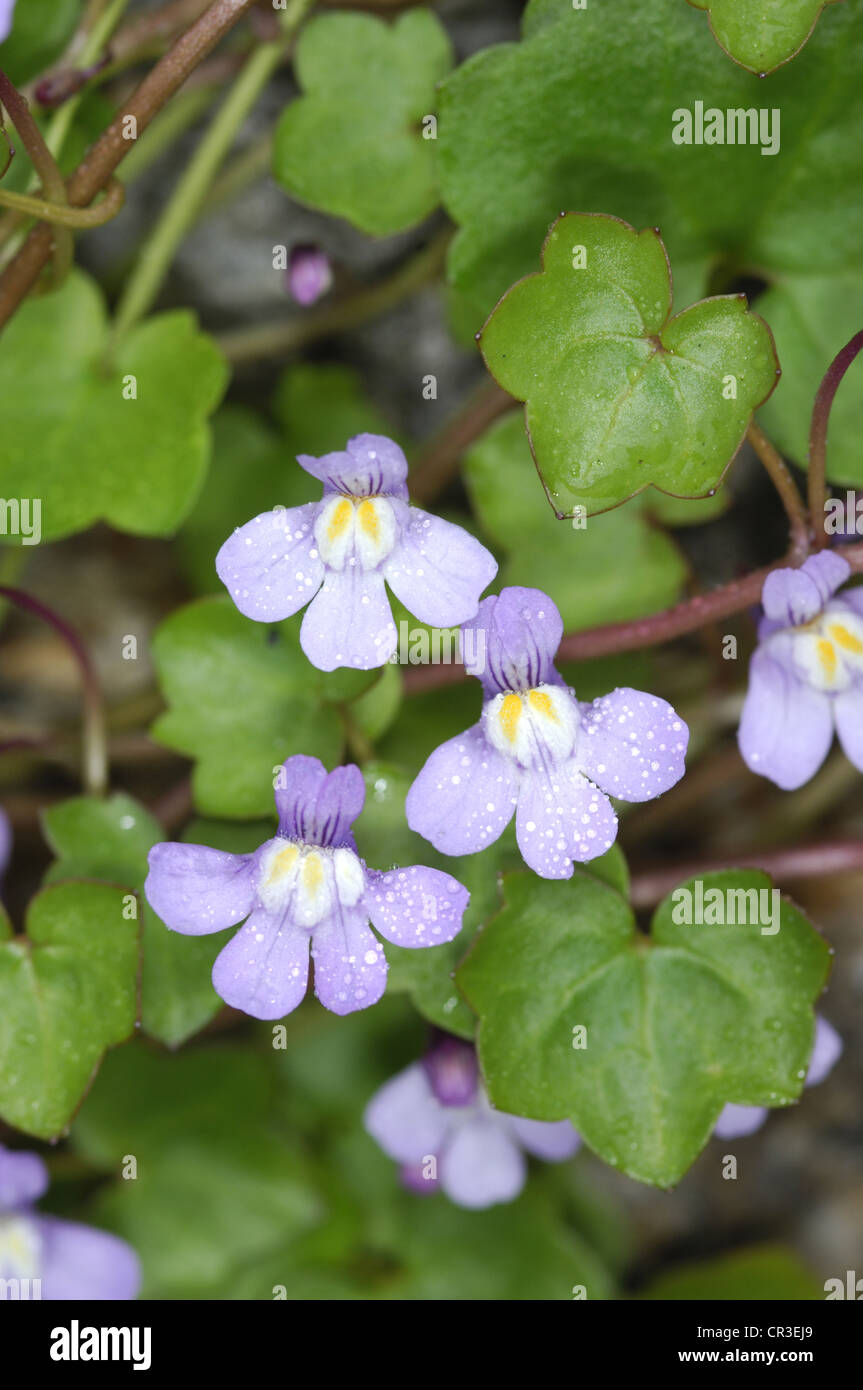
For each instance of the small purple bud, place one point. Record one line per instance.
(452, 1071)
(309, 274)
(58, 87)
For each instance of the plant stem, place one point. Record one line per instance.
(46, 167)
(783, 481)
(103, 26)
(61, 215)
(820, 860)
(818, 435)
(438, 463)
(94, 772)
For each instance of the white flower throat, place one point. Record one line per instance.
(355, 530)
(829, 650)
(535, 726)
(20, 1247)
(308, 881)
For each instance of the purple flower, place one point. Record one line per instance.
(70, 1261)
(806, 674)
(735, 1121)
(5, 843)
(306, 886)
(341, 552)
(309, 274)
(436, 1120)
(538, 752)
(7, 15)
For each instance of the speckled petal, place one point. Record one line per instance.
(438, 570)
(416, 906)
(350, 966)
(370, 465)
(736, 1121)
(464, 796)
(632, 744)
(81, 1262)
(481, 1165)
(562, 817)
(195, 889)
(316, 806)
(23, 1178)
(264, 969)
(793, 596)
(826, 1051)
(404, 1118)
(349, 622)
(270, 566)
(553, 1141)
(848, 712)
(512, 641)
(786, 727)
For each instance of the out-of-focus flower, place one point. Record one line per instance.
(436, 1120)
(7, 15)
(339, 554)
(735, 1121)
(71, 1261)
(5, 844)
(309, 274)
(806, 674)
(538, 752)
(305, 887)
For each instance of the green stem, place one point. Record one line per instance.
(91, 50)
(61, 215)
(182, 209)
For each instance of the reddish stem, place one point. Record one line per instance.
(818, 860)
(818, 435)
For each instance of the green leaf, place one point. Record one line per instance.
(110, 839)
(136, 463)
(321, 405)
(763, 1272)
(242, 697)
(677, 1024)
(353, 143)
(763, 35)
(40, 31)
(580, 568)
(67, 992)
(618, 394)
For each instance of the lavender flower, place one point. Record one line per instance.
(538, 752)
(806, 674)
(338, 555)
(7, 16)
(71, 1261)
(5, 844)
(309, 274)
(305, 887)
(735, 1121)
(436, 1120)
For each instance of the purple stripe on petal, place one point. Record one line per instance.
(270, 566)
(80, 1262)
(480, 1165)
(317, 806)
(404, 1118)
(464, 797)
(736, 1121)
(370, 465)
(786, 727)
(350, 966)
(438, 571)
(515, 638)
(793, 596)
(349, 622)
(553, 1141)
(23, 1178)
(848, 712)
(196, 890)
(826, 1052)
(562, 817)
(632, 744)
(264, 969)
(416, 906)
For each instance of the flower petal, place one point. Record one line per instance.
(23, 1178)
(438, 570)
(786, 727)
(736, 1121)
(271, 566)
(195, 889)
(404, 1118)
(848, 711)
(316, 806)
(562, 817)
(349, 622)
(793, 596)
(551, 1140)
(370, 465)
(80, 1262)
(632, 744)
(464, 796)
(350, 966)
(416, 906)
(826, 1051)
(480, 1165)
(264, 969)
(512, 641)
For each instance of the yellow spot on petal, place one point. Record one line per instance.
(541, 701)
(827, 656)
(313, 873)
(846, 639)
(340, 519)
(367, 515)
(510, 713)
(282, 863)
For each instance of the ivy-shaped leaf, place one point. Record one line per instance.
(40, 32)
(242, 697)
(676, 1024)
(762, 35)
(126, 443)
(353, 144)
(618, 393)
(110, 839)
(68, 991)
